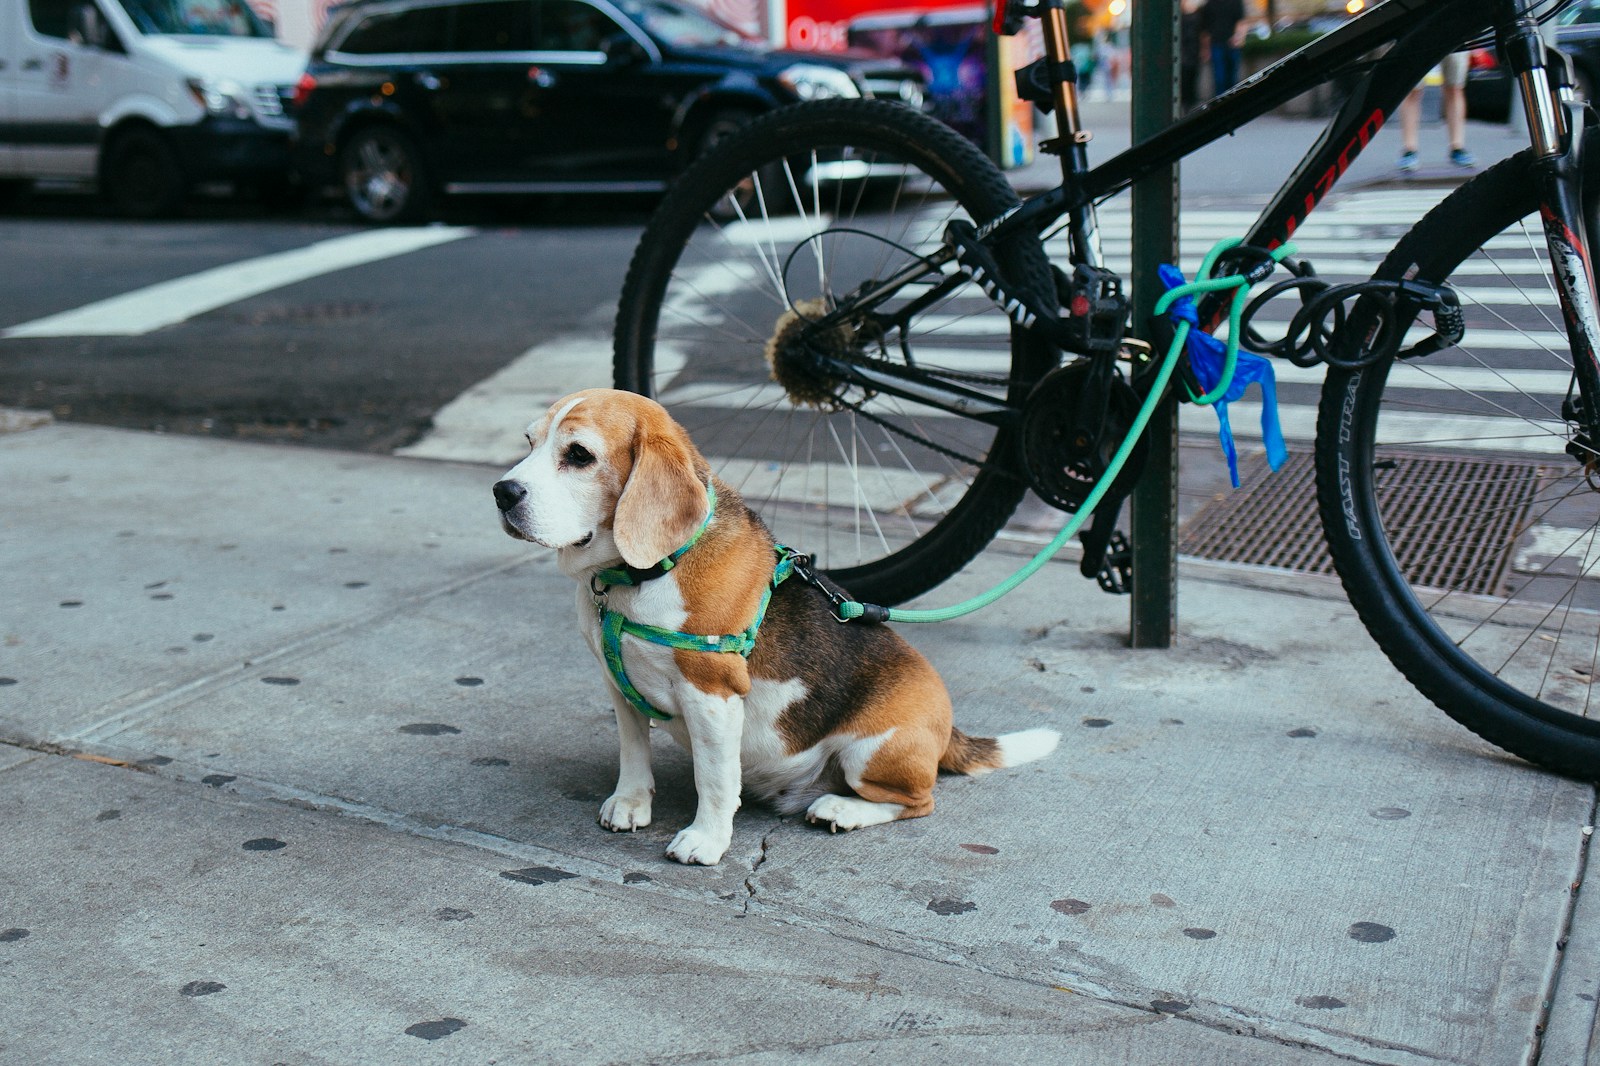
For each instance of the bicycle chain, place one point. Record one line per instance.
(964, 377)
(948, 453)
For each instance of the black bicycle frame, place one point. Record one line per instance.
(1416, 34)
(1384, 53)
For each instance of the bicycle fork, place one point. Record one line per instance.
(1557, 145)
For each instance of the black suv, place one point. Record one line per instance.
(405, 99)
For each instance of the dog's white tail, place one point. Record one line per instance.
(977, 755)
(1026, 746)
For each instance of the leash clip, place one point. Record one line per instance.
(807, 573)
(597, 589)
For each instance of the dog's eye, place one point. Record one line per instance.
(577, 456)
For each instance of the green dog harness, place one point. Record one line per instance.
(613, 624)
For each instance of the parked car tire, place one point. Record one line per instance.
(718, 126)
(141, 176)
(384, 176)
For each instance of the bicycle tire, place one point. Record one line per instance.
(693, 320)
(1445, 488)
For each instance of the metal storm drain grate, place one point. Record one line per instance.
(1453, 521)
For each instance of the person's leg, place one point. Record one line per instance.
(1410, 123)
(1231, 60)
(1454, 69)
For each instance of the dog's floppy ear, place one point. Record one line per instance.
(663, 502)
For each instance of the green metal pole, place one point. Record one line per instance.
(1153, 527)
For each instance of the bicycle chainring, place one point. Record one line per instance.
(1065, 454)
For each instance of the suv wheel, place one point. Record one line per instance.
(719, 126)
(140, 175)
(383, 175)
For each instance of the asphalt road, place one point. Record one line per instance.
(358, 358)
(362, 357)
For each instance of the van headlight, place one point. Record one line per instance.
(810, 82)
(221, 97)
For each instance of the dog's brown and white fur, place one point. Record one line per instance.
(848, 723)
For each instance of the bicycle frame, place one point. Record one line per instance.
(1412, 36)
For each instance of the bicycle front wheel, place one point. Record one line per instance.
(779, 224)
(1466, 535)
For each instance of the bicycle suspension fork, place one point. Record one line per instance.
(1557, 145)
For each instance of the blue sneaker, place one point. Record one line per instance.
(1408, 161)
(1461, 157)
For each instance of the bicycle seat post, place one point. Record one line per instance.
(1071, 137)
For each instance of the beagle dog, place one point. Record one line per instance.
(675, 574)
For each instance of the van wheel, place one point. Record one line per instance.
(384, 177)
(141, 177)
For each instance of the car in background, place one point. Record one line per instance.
(146, 98)
(1577, 33)
(404, 100)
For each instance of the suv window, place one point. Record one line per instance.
(483, 26)
(495, 26)
(573, 26)
(682, 25)
(1582, 15)
(417, 29)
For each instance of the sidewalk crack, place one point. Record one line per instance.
(1553, 979)
(755, 867)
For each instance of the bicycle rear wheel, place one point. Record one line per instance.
(1467, 537)
(778, 223)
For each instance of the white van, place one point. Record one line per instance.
(146, 97)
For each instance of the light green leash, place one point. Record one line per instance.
(851, 609)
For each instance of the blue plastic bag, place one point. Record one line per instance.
(1207, 357)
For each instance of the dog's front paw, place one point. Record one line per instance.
(696, 847)
(623, 814)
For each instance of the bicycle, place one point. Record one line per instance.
(823, 300)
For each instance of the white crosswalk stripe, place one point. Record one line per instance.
(169, 302)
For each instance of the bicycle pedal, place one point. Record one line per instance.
(1116, 572)
(1097, 308)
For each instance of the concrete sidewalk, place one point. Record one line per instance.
(303, 758)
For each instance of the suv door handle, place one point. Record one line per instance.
(33, 63)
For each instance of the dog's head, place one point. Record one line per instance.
(608, 475)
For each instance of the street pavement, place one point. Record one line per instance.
(300, 758)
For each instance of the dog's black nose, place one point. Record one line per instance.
(509, 493)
